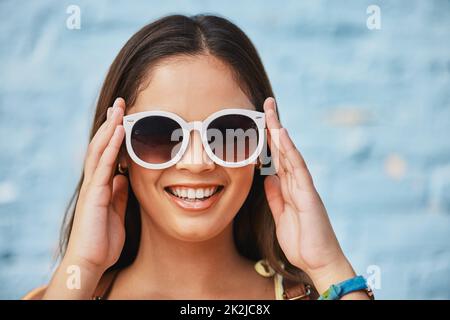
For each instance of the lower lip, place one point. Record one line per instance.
(197, 205)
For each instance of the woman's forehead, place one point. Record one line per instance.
(192, 87)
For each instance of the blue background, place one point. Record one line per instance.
(369, 109)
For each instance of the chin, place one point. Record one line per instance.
(200, 228)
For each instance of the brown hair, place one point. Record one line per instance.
(254, 229)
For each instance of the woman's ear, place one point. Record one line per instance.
(122, 161)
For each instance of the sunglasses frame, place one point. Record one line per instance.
(201, 126)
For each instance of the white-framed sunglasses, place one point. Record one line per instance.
(158, 139)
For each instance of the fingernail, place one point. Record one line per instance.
(116, 103)
(274, 102)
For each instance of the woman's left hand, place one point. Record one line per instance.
(303, 228)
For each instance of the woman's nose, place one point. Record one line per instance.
(195, 159)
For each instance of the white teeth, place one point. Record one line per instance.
(191, 193)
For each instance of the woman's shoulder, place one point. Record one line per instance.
(35, 294)
(101, 290)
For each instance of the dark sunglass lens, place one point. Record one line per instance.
(156, 139)
(233, 138)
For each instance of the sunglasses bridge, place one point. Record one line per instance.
(194, 125)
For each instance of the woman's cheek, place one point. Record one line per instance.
(143, 183)
(241, 182)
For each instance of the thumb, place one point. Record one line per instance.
(274, 196)
(120, 195)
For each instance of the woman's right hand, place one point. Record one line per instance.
(98, 232)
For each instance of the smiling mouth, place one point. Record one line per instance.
(193, 194)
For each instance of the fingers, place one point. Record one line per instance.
(282, 173)
(108, 113)
(274, 196)
(273, 128)
(275, 153)
(272, 120)
(295, 164)
(105, 168)
(278, 158)
(290, 162)
(120, 195)
(103, 137)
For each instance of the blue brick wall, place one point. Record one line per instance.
(369, 109)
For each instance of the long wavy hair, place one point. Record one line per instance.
(174, 35)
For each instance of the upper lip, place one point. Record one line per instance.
(193, 185)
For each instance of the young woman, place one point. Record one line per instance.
(160, 218)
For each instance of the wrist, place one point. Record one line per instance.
(333, 273)
(73, 279)
(87, 269)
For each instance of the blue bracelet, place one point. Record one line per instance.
(337, 291)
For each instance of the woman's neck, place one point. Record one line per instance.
(169, 266)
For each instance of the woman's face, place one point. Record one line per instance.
(193, 88)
